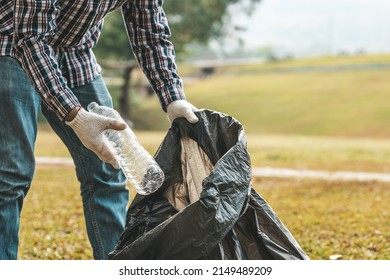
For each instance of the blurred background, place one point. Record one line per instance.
(310, 82)
(306, 67)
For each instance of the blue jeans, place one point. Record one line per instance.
(103, 188)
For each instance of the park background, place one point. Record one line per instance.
(309, 81)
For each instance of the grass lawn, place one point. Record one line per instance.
(52, 225)
(351, 103)
(372, 59)
(290, 151)
(331, 218)
(326, 218)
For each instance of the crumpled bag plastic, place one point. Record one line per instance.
(206, 207)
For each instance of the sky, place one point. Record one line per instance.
(318, 27)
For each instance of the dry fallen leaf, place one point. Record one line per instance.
(336, 257)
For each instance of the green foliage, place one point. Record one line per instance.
(190, 22)
(200, 21)
(114, 43)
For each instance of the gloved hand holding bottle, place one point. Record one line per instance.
(89, 127)
(96, 130)
(139, 167)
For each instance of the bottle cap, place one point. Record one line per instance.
(92, 105)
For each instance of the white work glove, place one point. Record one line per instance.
(89, 128)
(182, 108)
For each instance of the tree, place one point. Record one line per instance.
(203, 20)
(114, 42)
(191, 21)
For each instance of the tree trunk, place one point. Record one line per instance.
(124, 99)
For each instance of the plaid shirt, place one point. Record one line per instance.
(40, 33)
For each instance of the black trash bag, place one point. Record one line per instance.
(206, 207)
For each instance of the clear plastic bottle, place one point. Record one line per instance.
(139, 167)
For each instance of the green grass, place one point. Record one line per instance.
(326, 218)
(320, 152)
(338, 103)
(347, 218)
(378, 59)
(52, 225)
(290, 151)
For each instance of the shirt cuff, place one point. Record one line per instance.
(169, 94)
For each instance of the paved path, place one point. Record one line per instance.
(266, 172)
(322, 175)
(61, 161)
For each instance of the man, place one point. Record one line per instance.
(46, 48)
